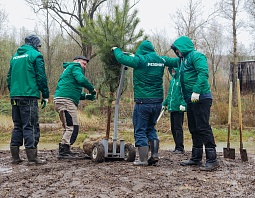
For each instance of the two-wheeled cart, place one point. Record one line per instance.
(114, 149)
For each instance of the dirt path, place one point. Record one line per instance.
(84, 178)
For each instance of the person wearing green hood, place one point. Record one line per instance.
(196, 90)
(148, 70)
(176, 106)
(26, 82)
(66, 99)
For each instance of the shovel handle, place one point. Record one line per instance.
(160, 115)
(229, 111)
(240, 113)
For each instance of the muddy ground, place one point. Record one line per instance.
(84, 178)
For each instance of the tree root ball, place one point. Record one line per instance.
(87, 146)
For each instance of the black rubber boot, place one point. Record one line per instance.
(32, 157)
(65, 153)
(154, 146)
(196, 158)
(211, 160)
(143, 156)
(15, 155)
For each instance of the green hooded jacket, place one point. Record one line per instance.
(26, 76)
(71, 82)
(174, 96)
(194, 71)
(148, 70)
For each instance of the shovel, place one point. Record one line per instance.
(160, 115)
(243, 151)
(229, 152)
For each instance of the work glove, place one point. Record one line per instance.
(164, 108)
(195, 97)
(82, 96)
(94, 92)
(44, 102)
(182, 108)
(113, 48)
(90, 97)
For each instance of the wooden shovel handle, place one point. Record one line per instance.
(229, 111)
(240, 113)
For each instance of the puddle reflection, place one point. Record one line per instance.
(5, 170)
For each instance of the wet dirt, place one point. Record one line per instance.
(84, 178)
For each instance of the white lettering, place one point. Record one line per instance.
(21, 56)
(156, 64)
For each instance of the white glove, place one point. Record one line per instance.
(195, 97)
(182, 108)
(164, 108)
(113, 48)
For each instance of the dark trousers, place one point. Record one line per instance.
(144, 121)
(198, 115)
(25, 120)
(176, 119)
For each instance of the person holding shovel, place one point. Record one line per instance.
(148, 70)
(66, 99)
(176, 106)
(197, 94)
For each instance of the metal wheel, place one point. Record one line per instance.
(97, 154)
(130, 153)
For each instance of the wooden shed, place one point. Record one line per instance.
(246, 74)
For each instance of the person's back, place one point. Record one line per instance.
(71, 82)
(147, 74)
(26, 79)
(27, 85)
(148, 70)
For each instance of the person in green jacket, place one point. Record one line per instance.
(148, 70)
(176, 106)
(66, 99)
(196, 90)
(26, 81)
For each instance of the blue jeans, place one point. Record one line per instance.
(198, 115)
(25, 120)
(144, 121)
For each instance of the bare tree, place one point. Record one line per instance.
(189, 19)
(3, 20)
(69, 16)
(230, 10)
(250, 9)
(213, 44)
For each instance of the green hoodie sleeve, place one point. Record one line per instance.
(171, 62)
(128, 60)
(201, 66)
(41, 76)
(81, 79)
(9, 78)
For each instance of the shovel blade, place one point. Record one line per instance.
(229, 153)
(243, 154)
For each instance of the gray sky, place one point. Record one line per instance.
(154, 16)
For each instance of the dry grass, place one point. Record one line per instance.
(6, 124)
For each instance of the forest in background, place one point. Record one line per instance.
(64, 34)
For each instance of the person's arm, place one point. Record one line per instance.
(9, 78)
(125, 59)
(201, 66)
(41, 77)
(171, 62)
(81, 79)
